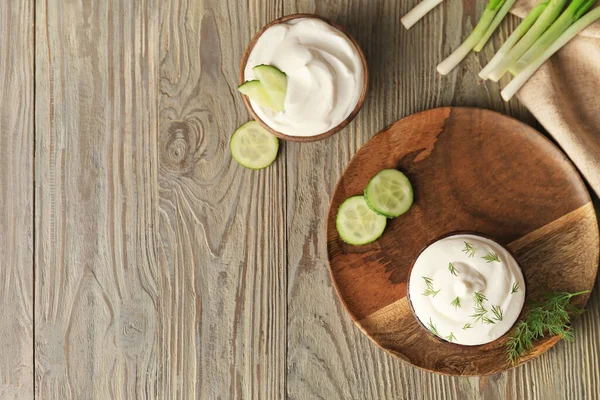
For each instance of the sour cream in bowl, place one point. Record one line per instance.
(466, 289)
(326, 73)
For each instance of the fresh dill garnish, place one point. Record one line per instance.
(497, 311)
(452, 270)
(432, 328)
(451, 337)
(479, 315)
(428, 282)
(467, 326)
(515, 288)
(456, 302)
(429, 291)
(488, 321)
(491, 257)
(469, 249)
(478, 299)
(552, 317)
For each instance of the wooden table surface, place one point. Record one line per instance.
(137, 260)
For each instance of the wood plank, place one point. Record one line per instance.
(156, 277)
(570, 370)
(222, 226)
(16, 199)
(328, 356)
(98, 295)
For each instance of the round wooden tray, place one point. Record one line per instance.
(472, 170)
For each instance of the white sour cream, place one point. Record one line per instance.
(434, 288)
(325, 75)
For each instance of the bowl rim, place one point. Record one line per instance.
(457, 233)
(336, 128)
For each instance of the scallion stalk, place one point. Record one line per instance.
(495, 22)
(418, 12)
(546, 19)
(514, 38)
(513, 87)
(461, 52)
(571, 14)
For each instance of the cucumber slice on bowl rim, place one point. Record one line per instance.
(252, 146)
(259, 93)
(275, 81)
(269, 89)
(357, 224)
(389, 193)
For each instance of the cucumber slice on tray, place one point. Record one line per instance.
(357, 224)
(253, 147)
(389, 193)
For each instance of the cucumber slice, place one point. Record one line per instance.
(389, 193)
(253, 147)
(275, 81)
(259, 93)
(356, 223)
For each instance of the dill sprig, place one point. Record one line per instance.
(488, 321)
(467, 326)
(478, 299)
(456, 302)
(431, 326)
(452, 270)
(515, 288)
(551, 317)
(497, 311)
(479, 315)
(450, 337)
(429, 291)
(469, 249)
(428, 282)
(491, 257)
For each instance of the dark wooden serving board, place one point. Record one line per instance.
(473, 170)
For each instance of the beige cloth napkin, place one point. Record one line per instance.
(564, 96)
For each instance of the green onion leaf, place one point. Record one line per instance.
(514, 38)
(495, 22)
(478, 32)
(546, 19)
(519, 80)
(574, 11)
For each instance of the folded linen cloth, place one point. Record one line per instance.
(564, 96)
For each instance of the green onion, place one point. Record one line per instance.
(546, 19)
(514, 38)
(495, 22)
(519, 80)
(573, 12)
(418, 12)
(459, 54)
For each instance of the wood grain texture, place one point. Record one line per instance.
(158, 276)
(99, 321)
(328, 357)
(16, 199)
(222, 226)
(163, 269)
